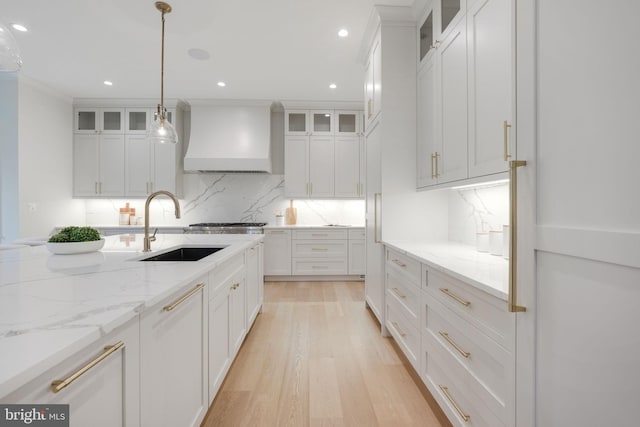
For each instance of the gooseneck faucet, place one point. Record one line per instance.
(147, 239)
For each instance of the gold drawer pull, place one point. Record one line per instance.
(397, 292)
(184, 298)
(58, 385)
(235, 286)
(395, 325)
(446, 336)
(455, 297)
(319, 249)
(399, 263)
(445, 390)
(319, 235)
(319, 267)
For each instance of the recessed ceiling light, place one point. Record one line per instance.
(222, 84)
(108, 83)
(343, 33)
(19, 27)
(332, 86)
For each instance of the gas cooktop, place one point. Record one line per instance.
(226, 228)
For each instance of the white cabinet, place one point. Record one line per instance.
(348, 182)
(254, 282)
(106, 395)
(98, 165)
(277, 252)
(491, 86)
(319, 252)
(347, 123)
(373, 81)
(149, 167)
(98, 120)
(173, 368)
(309, 166)
(357, 252)
(428, 113)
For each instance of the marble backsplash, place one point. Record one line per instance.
(477, 209)
(243, 197)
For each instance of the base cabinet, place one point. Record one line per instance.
(173, 368)
(277, 252)
(255, 282)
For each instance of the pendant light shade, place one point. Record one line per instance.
(161, 130)
(10, 59)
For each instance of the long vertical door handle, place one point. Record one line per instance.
(506, 127)
(513, 238)
(376, 219)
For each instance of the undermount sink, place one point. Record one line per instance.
(184, 254)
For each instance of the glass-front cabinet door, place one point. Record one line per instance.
(426, 35)
(138, 120)
(296, 122)
(322, 122)
(99, 120)
(347, 122)
(87, 120)
(450, 12)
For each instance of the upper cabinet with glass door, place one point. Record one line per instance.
(347, 123)
(309, 122)
(296, 122)
(322, 122)
(441, 16)
(99, 120)
(138, 120)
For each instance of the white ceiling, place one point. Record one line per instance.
(262, 49)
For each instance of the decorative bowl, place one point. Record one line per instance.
(68, 248)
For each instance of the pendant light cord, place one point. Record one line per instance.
(161, 107)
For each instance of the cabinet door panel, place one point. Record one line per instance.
(137, 166)
(490, 85)
(452, 162)
(86, 155)
(277, 252)
(111, 165)
(164, 167)
(427, 123)
(356, 256)
(347, 171)
(237, 316)
(296, 166)
(321, 166)
(219, 346)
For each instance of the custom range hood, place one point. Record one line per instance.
(229, 137)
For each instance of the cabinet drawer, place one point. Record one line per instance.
(318, 266)
(484, 311)
(321, 234)
(319, 248)
(406, 294)
(409, 267)
(221, 274)
(490, 366)
(454, 389)
(404, 331)
(276, 232)
(356, 234)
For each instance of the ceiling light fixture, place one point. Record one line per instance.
(222, 84)
(10, 59)
(19, 27)
(161, 130)
(332, 86)
(343, 33)
(108, 83)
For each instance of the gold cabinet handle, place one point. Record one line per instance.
(235, 286)
(369, 108)
(445, 390)
(395, 261)
(437, 173)
(183, 298)
(376, 236)
(506, 127)
(319, 235)
(433, 167)
(513, 235)
(395, 325)
(319, 267)
(58, 385)
(446, 336)
(455, 297)
(96, 187)
(397, 292)
(319, 249)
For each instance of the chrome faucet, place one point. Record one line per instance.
(147, 239)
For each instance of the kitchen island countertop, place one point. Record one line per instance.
(52, 306)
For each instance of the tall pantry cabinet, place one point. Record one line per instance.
(389, 139)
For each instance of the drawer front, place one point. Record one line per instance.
(404, 331)
(490, 366)
(406, 294)
(221, 274)
(318, 266)
(405, 265)
(270, 232)
(454, 389)
(484, 311)
(319, 248)
(320, 234)
(356, 234)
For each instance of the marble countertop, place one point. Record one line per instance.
(52, 306)
(487, 272)
(328, 227)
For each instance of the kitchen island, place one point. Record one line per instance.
(54, 306)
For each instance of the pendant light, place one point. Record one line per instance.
(161, 130)
(10, 59)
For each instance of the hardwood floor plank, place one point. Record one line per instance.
(315, 357)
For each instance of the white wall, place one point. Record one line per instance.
(45, 159)
(8, 157)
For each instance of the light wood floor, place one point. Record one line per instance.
(315, 357)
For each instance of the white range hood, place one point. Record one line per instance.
(229, 138)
